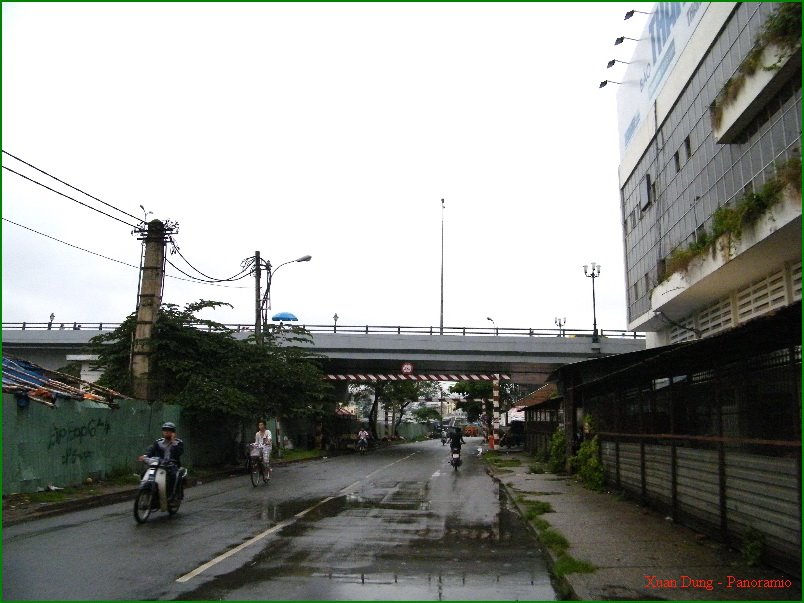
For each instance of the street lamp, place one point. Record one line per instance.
(560, 322)
(335, 320)
(441, 321)
(630, 14)
(593, 274)
(263, 303)
(492, 322)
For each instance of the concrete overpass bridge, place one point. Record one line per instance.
(367, 353)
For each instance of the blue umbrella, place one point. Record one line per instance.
(284, 316)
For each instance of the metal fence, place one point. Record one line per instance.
(355, 329)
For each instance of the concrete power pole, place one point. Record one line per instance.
(152, 279)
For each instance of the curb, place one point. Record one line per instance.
(562, 585)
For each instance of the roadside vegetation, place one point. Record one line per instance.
(221, 382)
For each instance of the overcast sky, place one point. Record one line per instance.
(325, 129)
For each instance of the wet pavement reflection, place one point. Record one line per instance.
(391, 540)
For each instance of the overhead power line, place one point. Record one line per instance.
(68, 244)
(71, 186)
(117, 261)
(69, 197)
(240, 275)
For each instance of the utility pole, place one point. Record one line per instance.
(257, 299)
(152, 277)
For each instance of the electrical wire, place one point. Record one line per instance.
(66, 243)
(69, 197)
(70, 185)
(119, 261)
(240, 275)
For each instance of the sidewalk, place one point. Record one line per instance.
(638, 553)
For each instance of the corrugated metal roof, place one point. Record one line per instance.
(541, 395)
(26, 379)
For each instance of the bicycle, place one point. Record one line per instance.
(256, 468)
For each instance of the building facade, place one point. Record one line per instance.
(709, 116)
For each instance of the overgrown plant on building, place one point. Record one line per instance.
(732, 220)
(782, 30)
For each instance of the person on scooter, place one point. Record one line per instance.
(264, 442)
(168, 447)
(456, 439)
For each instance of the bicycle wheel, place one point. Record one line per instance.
(256, 470)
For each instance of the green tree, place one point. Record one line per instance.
(477, 398)
(199, 365)
(396, 395)
(400, 394)
(424, 414)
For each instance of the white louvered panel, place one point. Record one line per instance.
(678, 334)
(776, 292)
(715, 318)
(761, 296)
(795, 279)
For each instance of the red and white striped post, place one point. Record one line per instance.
(495, 420)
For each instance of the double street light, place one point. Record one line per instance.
(593, 274)
(263, 302)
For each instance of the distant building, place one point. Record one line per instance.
(710, 169)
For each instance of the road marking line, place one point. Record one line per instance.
(202, 568)
(249, 542)
(347, 489)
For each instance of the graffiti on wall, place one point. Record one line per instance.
(77, 436)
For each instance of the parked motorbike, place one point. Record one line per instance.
(153, 491)
(455, 458)
(362, 445)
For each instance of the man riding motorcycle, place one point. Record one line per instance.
(456, 439)
(169, 448)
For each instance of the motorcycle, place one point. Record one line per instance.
(443, 440)
(362, 445)
(455, 458)
(153, 491)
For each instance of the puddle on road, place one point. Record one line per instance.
(387, 545)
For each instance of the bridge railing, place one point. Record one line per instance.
(355, 329)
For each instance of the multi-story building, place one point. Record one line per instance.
(709, 115)
(705, 423)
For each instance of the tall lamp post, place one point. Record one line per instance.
(263, 302)
(593, 274)
(560, 322)
(441, 321)
(335, 321)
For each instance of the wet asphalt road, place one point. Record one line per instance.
(396, 524)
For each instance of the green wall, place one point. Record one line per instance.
(63, 446)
